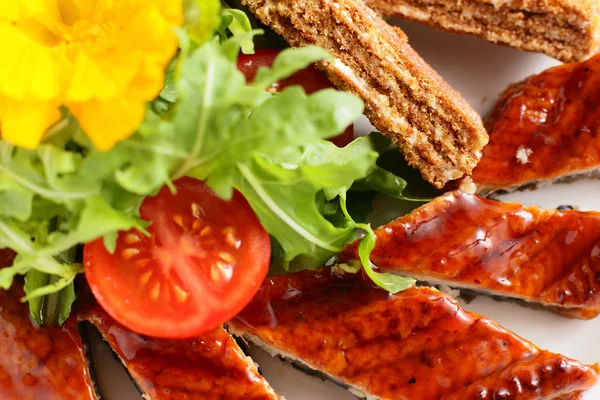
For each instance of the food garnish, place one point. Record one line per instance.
(101, 62)
(204, 260)
(309, 78)
(208, 123)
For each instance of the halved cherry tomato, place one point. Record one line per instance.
(204, 261)
(6, 257)
(309, 78)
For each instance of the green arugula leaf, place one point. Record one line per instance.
(33, 280)
(382, 181)
(52, 310)
(168, 95)
(237, 23)
(15, 201)
(213, 118)
(391, 283)
(201, 18)
(283, 193)
(288, 62)
(66, 298)
(25, 168)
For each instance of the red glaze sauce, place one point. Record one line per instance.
(39, 363)
(211, 366)
(554, 116)
(418, 344)
(546, 256)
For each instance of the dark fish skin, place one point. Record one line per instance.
(210, 366)
(417, 344)
(545, 257)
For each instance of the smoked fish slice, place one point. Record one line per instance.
(546, 257)
(210, 366)
(417, 344)
(544, 129)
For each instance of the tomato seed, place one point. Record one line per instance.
(196, 225)
(145, 277)
(132, 238)
(227, 257)
(180, 294)
(130, 253)
(155, 291)
(196, 210)
(178, 220)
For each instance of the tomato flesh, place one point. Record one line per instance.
(309, 78)
(204, 261)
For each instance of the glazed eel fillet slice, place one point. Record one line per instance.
(210, 366)
(405, 98)
(417, 344)
(544, 129)
(40, 363)
(546, 257)
(564, 29)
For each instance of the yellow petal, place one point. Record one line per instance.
(107, 122)
(16, 10)
(11, 10)
(72, 11)
(148, 82)
(27, 69)
(23, 123)
(172, 10)
(159, 43)
(89, 81)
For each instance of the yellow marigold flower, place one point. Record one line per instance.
(102, 59)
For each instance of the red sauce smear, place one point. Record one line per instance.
(544, 256)
(552, 120)
(418, 344)
(211, 366)
(39, 363)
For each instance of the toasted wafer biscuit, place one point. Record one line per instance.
(405, 98)
(567, 30)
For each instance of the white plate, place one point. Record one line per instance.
(480, 71)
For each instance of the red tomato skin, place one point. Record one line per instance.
(113, 280)
(311, 79)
